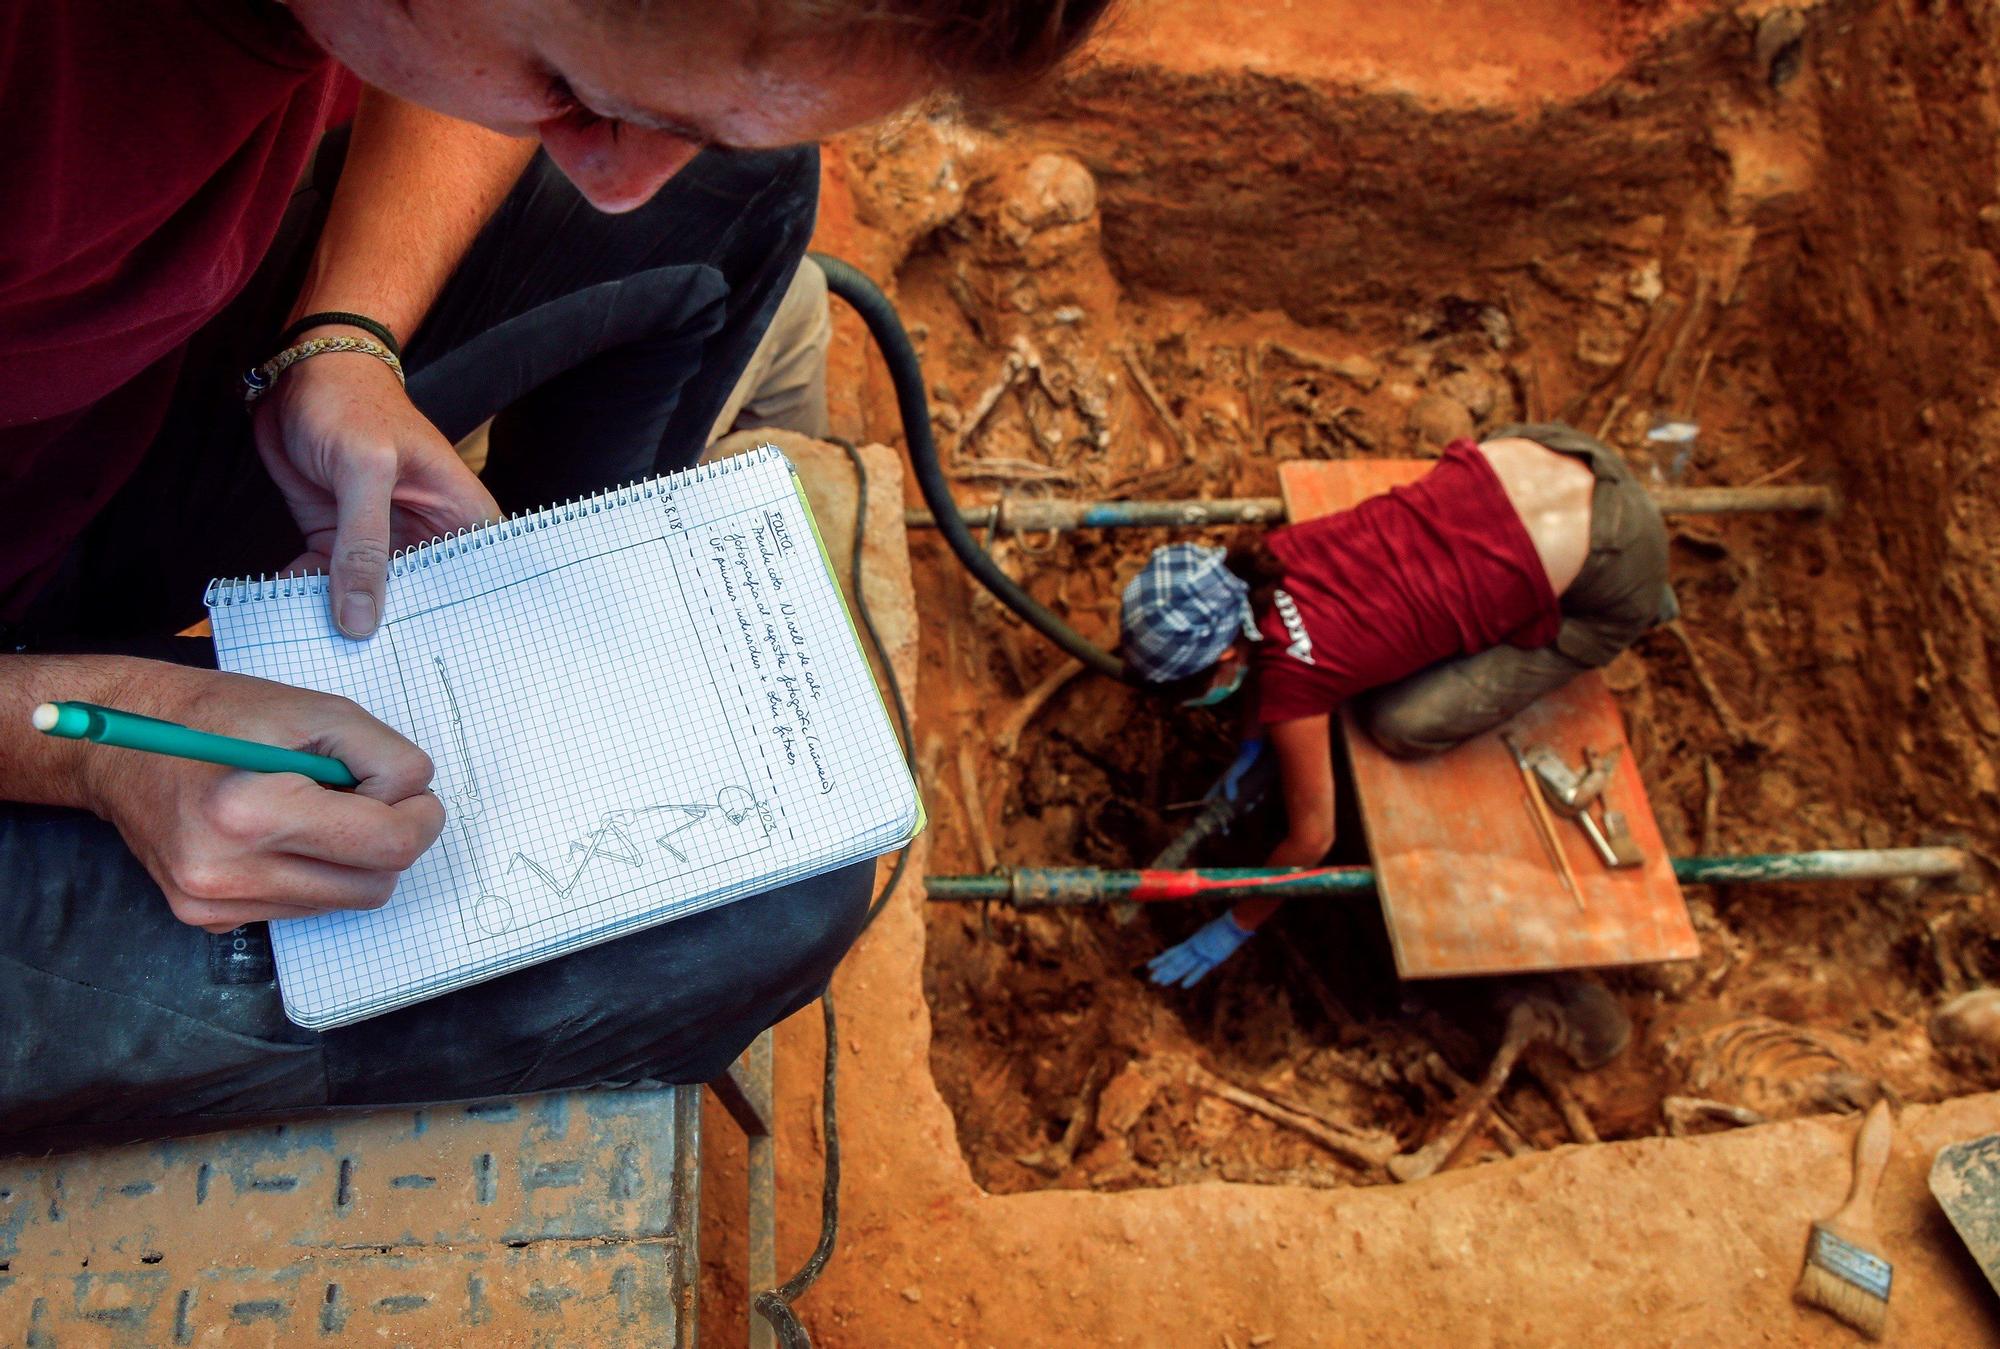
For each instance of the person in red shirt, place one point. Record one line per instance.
(1442, 608)
(572, 218)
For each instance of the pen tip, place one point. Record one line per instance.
(46, 716)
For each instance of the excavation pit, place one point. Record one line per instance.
(1213, 251)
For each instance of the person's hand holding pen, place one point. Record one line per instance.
(230, 847)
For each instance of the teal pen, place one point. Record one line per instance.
(129, 730)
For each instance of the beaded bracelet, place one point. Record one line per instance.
(258, 380)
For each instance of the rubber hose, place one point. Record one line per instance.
(887, 329)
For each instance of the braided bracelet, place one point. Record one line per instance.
(343, 318)
(258, 381)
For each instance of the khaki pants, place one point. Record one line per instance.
(784, 386)
(1621, 592)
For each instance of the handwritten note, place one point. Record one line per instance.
(749, 559)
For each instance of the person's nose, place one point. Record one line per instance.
(615, 166)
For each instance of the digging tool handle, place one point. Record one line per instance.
(1871, 1158)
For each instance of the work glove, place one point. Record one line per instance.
(1232, 777)
(1189, 963)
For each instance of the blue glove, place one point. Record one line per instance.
(1189, 963)
(1232, 778)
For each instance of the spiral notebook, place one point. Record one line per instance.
(640, 705)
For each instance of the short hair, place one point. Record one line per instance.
(984, 53)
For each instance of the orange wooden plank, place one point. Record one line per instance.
(1466, 885)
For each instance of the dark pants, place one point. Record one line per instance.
(1621, 592)
(604, 347)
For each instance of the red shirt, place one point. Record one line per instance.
(1441, 568)
(148, 150)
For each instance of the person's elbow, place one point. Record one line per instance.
(1313, 844)
(1309, 840)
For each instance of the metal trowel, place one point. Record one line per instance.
(1572, 794)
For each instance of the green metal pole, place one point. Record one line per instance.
(1044, 887)
(1028, 516)
(1832, 864)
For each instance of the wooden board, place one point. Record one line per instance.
(1466, 885)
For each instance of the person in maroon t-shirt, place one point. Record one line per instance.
(570, 218)
(1445, 607)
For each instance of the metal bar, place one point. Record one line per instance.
(1034, 516)
(1048, 887)
(1059, 887)
(1850, 864)
(745, 1092)
(1811, 498)
(687, 1217)
(762, 1185)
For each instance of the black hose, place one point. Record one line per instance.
(908, 377)
(775, 1304)
(901, 708)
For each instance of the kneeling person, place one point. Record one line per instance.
(1441, 608)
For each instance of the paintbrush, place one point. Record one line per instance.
(1844, 1274)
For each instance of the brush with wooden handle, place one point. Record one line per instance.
(1844, 1273)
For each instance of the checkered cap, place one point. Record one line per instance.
(1182, 610)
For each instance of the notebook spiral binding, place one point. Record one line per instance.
(222, 593)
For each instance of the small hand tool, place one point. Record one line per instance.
(1544, 825)
(1573, 794)
(1845, 1272)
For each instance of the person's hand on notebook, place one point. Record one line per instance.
(364, 473)
(231, 847)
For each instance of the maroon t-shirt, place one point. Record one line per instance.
(148, 149)
(1441, 568)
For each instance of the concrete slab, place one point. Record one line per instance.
(562, 1220)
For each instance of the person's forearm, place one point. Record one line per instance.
(41, 769)
(1300, 850)
(415, 189)
(1297, 850)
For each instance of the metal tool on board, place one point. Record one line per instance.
(1572, 795)
(1538, 811)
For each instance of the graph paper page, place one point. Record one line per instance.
(638, 707)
